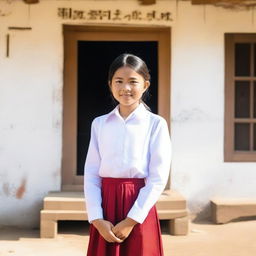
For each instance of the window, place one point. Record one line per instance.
(240, 98)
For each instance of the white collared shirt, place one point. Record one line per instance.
(136, 147)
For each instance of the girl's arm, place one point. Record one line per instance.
(92, 188)
(92, 180)
(160, 153)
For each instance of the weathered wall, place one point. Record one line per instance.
(31, 83)
(199, 170)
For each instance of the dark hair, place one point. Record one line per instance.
(135, 63)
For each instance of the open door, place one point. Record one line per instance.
(88, 53)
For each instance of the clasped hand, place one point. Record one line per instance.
(117, 233)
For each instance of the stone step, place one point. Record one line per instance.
(171, 214)
(169, 200)
(55, 215)
(178, 220)
(63, 215)
(227, 209)
(65, 205)
(64, 200)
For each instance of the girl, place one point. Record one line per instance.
(126, 167)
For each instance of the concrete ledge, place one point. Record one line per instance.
(169, 200)
(48, 228)
(82, 215)
(63, 205)
(63, 215)
(179, 226)
(171, 214)
(224, 210)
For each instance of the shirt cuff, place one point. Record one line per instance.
(94, 214)
(137, 214)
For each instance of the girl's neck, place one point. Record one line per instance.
(125, 111)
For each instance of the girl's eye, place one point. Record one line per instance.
(131, 82)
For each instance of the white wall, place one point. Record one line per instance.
(31, 83)
(199, 171)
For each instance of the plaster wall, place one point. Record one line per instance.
(31, 84)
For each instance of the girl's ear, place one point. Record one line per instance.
(146, 84)
(109, 85)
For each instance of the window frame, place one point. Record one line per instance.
(230, 154)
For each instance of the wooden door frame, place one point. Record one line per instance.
(105, 32)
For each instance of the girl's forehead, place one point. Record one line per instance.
(126, 72)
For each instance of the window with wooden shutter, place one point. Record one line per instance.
(240, 98)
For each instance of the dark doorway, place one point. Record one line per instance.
(94, 59)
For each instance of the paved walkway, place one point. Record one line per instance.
(205, 239)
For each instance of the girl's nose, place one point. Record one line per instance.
(126, 86)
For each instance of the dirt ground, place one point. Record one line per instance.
(205, 239)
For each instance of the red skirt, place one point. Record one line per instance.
(118, 196)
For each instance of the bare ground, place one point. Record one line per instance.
(205, 239)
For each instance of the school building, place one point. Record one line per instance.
(54, 59)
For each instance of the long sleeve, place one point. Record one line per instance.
(92, 180)
(159, 166)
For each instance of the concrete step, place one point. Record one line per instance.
(178, 220)
(63, 215)
(171, 214)
(65, 205)
(227, 209)
(82, 215)
(64, 201)
(169, 200)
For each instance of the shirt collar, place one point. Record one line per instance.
(139, 113)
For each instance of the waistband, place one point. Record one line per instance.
(106, 180)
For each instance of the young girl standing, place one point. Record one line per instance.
(126, 168)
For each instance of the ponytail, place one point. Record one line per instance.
(145, 105)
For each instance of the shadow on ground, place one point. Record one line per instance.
(64, 227)
(14, 233)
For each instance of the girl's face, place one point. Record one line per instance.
(128, 86)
